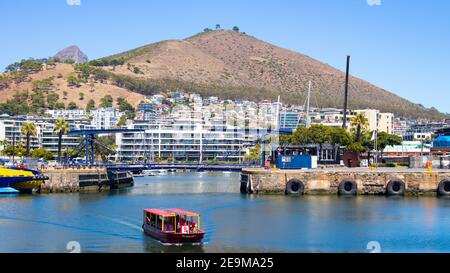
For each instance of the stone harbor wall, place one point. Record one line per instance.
(332, 181)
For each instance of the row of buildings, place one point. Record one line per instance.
(187, 127)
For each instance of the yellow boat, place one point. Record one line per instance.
(23, 180)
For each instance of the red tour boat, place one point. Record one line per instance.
(173, 226)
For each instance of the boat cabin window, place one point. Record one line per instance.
(166, 224)
(187, 224)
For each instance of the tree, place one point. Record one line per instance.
(384, 139)
(236, 29)
(73, 80)
(106, 101)
(52, 100)
(90, 105)
(255, 153)
(122, 121)
(107, 147)
(11, 151)
(360, 122)
(125, 106)
(60, 105)
(356, 147)
(217, 26)
(61, 128)
(72, 106)
(28, 130)
(42, 153)
(81, 94)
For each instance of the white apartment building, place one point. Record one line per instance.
(67, 114)
(10, 128)
(183, 140)
(45, 137)
(331, 117)
(105, 118)
(383, 122)
(49, 140)
(386, 122)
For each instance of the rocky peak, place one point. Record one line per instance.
(72, 53)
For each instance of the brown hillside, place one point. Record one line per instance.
(234, 60)
(60, 72)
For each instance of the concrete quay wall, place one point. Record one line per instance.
(78, 180)
(334, 181)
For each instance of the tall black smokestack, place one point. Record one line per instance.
(344, 125)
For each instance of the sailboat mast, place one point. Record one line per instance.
(308, 121)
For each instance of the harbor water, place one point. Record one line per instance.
(111, 221)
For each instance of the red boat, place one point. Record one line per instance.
(173, 226)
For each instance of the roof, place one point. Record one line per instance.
(408, 147)
(183, 212)
(160, 212)
(442, 142)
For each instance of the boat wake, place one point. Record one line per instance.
(122, 222)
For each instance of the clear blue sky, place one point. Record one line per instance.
(401, 46)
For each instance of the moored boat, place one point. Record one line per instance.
(23, 180)
(173, 226)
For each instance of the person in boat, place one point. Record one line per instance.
(193, 226)
(182, 223)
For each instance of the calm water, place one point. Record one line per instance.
(111, 222)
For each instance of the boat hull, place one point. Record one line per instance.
(28, 186)
(173, 238)
(23, 180)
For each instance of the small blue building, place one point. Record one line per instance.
(441, 146)
(306, 156)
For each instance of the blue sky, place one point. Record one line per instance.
(400, 45)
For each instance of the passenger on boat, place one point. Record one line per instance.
(193, 226)
(181, 223)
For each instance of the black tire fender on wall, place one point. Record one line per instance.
(444, 188)
(395, 187)
(295, 187)
(348, 187)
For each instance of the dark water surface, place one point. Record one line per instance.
(111, 221)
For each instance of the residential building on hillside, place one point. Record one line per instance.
(67, 114)
(105, 118)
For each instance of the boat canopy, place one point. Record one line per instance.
(160, 212)
(183, 212)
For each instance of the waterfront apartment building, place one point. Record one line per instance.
(10, 128)
(181, 140)
(49, 140)
(45, 137)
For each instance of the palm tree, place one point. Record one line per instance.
(28, 130)
(61, 128)
(359, 122)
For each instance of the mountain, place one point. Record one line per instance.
(227, 64)
(72, 53)
(235, 65)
